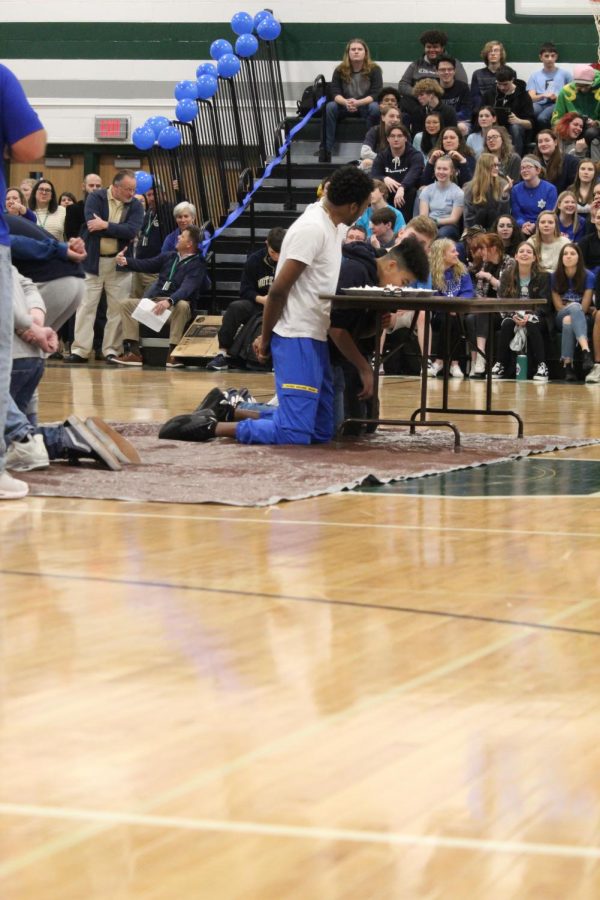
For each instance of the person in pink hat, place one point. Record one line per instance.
(582, 96)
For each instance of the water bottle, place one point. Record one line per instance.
(522, 367)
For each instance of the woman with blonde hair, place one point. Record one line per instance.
(354, 85)
(570, 224)
(487, 196)
(547, 240)
(448, 277)
(498, 142)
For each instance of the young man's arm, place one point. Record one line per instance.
(286, 277)
(346, 345)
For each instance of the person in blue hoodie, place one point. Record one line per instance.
(532, 195)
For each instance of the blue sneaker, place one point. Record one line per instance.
(219, 364)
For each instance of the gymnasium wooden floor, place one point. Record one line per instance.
(366, 696)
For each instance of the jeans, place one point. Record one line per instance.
(18, 427)
(6, 331)
(572, 331)
(25, 376)
(333, 112)
(543, 113)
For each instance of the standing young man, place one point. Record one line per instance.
(295, 325)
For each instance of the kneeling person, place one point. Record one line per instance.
(181, 279)
(296, 323)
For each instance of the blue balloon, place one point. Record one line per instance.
(143, 181)
(206, 86)
(143, 137)
(169, 138)
(228, 65)
(206, 69)
(269, 29)
(219, 48)
(185, 90)
(242, 23)
(246, 45)
(157, 123)
(263, 14)
(186, 110)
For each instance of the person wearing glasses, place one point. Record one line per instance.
(532, 195)
(49, 215)
(456, 93)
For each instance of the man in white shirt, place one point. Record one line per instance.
(295, 326)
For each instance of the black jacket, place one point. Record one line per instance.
(519, 102)
(406, 169)
(257, 275)
(124, 231)
(188, 281)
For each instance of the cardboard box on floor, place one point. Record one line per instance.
(200, 342)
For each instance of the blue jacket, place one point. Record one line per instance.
(37, 255)
(189, 280)
(97, 204)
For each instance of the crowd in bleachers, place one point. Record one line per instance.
(508, 172)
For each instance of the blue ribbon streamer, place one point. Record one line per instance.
(232, 217)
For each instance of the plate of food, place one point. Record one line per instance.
(387, 291)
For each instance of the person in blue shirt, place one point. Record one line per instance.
(572, 288)
(531, 195)
(448, 277)
(22, 139)
(544, 85)
(379, 197)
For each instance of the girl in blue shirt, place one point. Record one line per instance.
(572, 287)
(448, 277)
(570, 223)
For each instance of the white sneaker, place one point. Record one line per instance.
(479, 367)
(433, 368)
(542, 372)
(593, 377)
(28, 455)
(456, 371)
(11, 488)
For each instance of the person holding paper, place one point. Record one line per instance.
(182, 278)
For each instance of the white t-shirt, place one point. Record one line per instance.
(312, 239)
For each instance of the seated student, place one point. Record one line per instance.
(572, 288)
(378, 200)
(547, 240)
(456, 93)
(487, 196)
(583, 186)
(434, 45)
(297, 323)
(486, 275)
(451, 143)
(560, 170)
(570, 224)
(582, 95)
(593, 376)
(531, 195)
(448, 277)
(356, 234)
(382, 227)
(497, 141)
(443, 200)
(387, 98)
(427, 98)
(507, 229)
(181, 279)
(544, 85)
(354, 85)
(426, 140)
(486, 118)
(185, 215)
(522, 279)
(400, 167)
(483, 80)
(257, 278)
(513, 105)
(590, 246)
(569, 130)
(375, 139)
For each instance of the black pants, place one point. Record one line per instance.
(441, 323)
(237, 314)
(477, 324)
(535, 340)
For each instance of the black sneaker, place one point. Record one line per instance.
(324, 155)
(82, 443)
(73, 359)
(570, 374)
(198, 426)
(587, 361)
(219, 364)
(212, 401)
